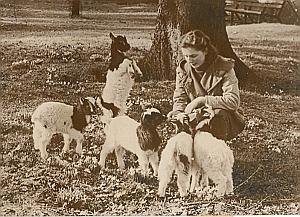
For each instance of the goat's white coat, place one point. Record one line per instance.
(54, 117)
(179, 144)
(212, 158)
(122, 133)
(215, 160)
(118, 86)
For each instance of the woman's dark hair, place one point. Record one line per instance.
(198, 40)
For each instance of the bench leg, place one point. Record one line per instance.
(238, 16)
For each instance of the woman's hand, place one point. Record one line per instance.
(196, 103)
(172, 114)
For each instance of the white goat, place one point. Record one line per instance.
(191, 156)
(120, 77)
(56, 117)
(141, 139)
(176, 156)
(214, 159)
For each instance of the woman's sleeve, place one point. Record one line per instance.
(230, 100)
(180, 98)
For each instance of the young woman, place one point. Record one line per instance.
(205, 78)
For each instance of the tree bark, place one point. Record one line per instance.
(75, 8)
(176, 17)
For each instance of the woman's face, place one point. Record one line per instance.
(193, 56)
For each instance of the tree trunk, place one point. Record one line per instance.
(75, 8)
(176, 17)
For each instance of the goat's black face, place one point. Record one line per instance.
(88, 105)
(152, 117)
(119, 43)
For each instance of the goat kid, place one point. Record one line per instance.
(176, 156)
(214, 160)
(141, 139)
(201, 154)
(56, 117)
(120, 77)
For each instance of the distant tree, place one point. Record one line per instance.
(176, 17)
(75, 8)
(15, 11)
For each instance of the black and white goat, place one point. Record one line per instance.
(192, 153)
(176, 156)
(214, 160)
(120, 77)
(56, 117)
(141, 139)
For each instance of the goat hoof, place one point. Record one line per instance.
(160, 198)
(64, 155)
(229, 194)
(140, 178)
(51, 161)
(44, 156)
(96, 170)
(76, 157)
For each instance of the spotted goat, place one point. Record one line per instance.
(193, 153)
(120, 77)
(56, 117)
(141, 139)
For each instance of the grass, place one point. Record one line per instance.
(58, 51)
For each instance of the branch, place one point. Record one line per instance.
(257, 205)
(244, 182)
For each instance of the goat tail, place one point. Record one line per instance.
(108, 106)
(107, 116)
(178, 152)
(174, 156)
(167, 156)
(166, 166)
(230, 155)
(183, 153)
(137, 70)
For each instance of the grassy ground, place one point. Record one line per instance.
(56, 52)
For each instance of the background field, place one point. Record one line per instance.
(45, 55)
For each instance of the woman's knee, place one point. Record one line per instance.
(219, 125)
(220, 118)
(221, 113)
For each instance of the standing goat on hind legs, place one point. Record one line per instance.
(120, 77)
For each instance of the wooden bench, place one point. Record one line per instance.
(254, 10)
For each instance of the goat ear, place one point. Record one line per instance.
(142, 118)
(81, 100)
(146, 106)
(97, 100)
(111, 36)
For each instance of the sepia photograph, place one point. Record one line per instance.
(149, 107)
